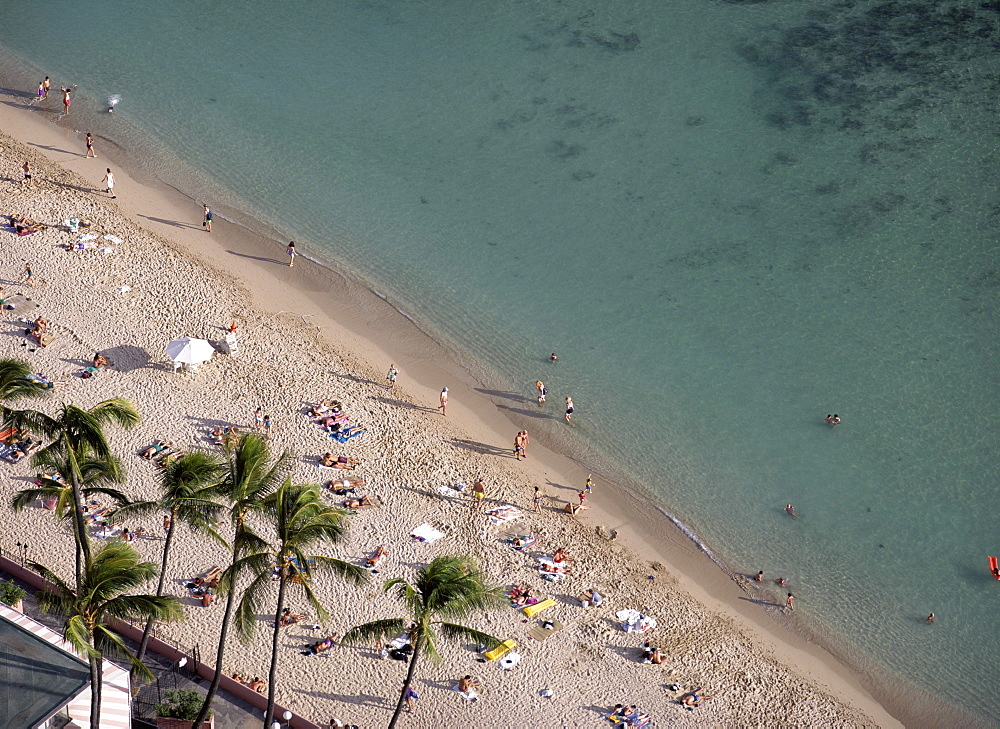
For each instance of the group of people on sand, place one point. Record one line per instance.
(254, 683)
(23, 225)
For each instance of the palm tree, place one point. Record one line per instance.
(188, 488)
(302, 521)
(449, 588)
(16, 383)
(249, 477)
(102, 596)
(77, 433)
(96, 477)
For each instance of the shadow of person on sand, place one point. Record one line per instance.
(256, 258)
(763, 603)
(402, 404)
(174, 223)
(378, 702)
(484, 448)
(51, 148)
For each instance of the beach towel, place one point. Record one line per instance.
(467, 695)
(112, 238)
(6, 450)
(87, 236)
(448, 492)
(426, 533)
(504, 514)
(541, 632)
(635, 622)
(521, 542)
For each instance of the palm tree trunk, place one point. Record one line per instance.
(223, 632)
(96, 683)
(159, 588)
(406, 683)
(80, 526)
(273, 674)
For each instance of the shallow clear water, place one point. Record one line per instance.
(728, 218)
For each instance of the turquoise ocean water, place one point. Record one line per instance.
(729, 218)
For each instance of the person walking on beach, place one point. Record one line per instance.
(90, 146)
(518, 446)
(409, 697)
(536, 501)
(391, 376)
(27, 174)
(542, 392)
(206, 223)
(109, 181)
(479, 491)
(589, 486)
(166, 524)
(291, 253)
(790, 602)
(569, 409)
(524, 443)
(258, 419)
(267, 427)
(29, 279)
(443, 407)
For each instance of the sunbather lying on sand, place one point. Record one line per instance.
(331, 461)
(344, 486)
(24, 226)
(155, 449)
(221, 435)
(376, 557)
(290, 618)
(693, 699)
(325, 407)
(322, 645)
(362, 503)
(522, 595)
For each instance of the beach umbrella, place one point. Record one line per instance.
(188, 350)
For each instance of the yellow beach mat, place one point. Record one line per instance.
(533, 610)
(501, 649)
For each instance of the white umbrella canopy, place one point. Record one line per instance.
(188, 350)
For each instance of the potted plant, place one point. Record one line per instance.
(180, 708)
(12, 594)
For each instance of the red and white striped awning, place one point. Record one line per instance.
(116, 695)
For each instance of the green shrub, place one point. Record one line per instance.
(11, 592)
(181, 704)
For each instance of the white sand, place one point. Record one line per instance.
(409, 450)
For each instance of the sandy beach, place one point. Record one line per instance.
(307, 334)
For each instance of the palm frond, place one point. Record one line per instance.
(377, 630)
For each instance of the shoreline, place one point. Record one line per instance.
(358, 326)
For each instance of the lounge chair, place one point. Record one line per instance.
(533, 610)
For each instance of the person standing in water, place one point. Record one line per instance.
(569, 409)
(542, 392)
(552, 357)
(109, 180)
(41, 91)
(90, 146)
(443, 407)
(291, 253)
(207, 222)
(46, 85)
(790, 602)
(66, 91)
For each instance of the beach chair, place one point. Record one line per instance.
(533, 610)
(8, 434)
(501, 650)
